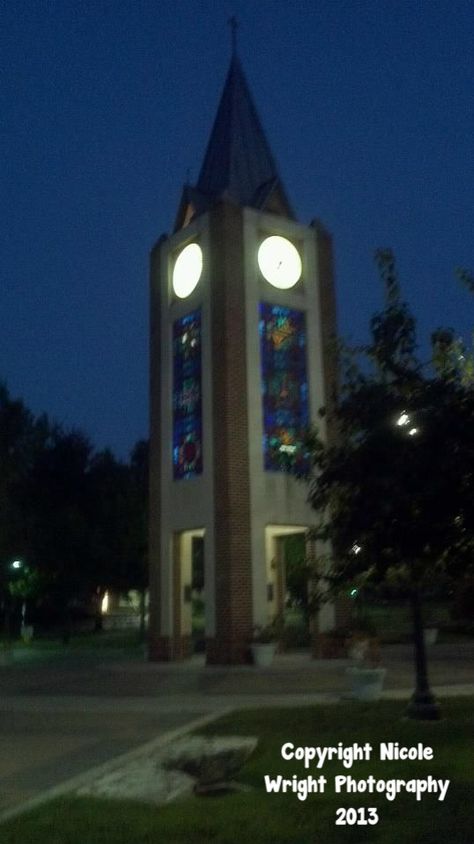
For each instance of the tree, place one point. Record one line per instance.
(117, 495)
(76, 518)
(138, 522)
(107, 483)
(22, 438)
(59, 536)
(394, 492)
(26, 584)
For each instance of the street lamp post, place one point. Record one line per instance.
(16, 565)
(423, 704)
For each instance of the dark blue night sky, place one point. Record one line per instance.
(368, 106)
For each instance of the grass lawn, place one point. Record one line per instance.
(260, 818)
(48, 647)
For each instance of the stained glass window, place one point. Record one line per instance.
(284, 387)
(187, 396)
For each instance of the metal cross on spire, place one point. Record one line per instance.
(234, 25)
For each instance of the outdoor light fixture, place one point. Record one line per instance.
(403, 419)
(356, 549)
(17, 564)
(412, 432)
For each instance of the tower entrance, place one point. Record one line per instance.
(289, 573)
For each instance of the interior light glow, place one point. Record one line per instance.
(104, 607)
(279, 262)
(187, 270)
(412, 432)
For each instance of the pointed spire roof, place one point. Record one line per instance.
(238, 163)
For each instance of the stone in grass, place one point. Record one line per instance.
(211, 760)
(142, 779)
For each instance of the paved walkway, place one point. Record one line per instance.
(72, 713)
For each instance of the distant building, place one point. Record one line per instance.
(242, 316)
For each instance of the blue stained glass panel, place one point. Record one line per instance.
(187, 396)
(284, 387)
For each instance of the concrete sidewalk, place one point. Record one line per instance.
(293, 673)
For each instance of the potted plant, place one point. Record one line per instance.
(362, 642)
(430, 634)
(332, 644)
(430, 630)
(366, 677)
(264, 642)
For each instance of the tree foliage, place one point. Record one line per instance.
(393, 491)
(394, 494)
(74, 516)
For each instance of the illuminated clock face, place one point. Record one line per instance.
(187, 270)
(279, 262)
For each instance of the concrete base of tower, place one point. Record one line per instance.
(169, 648)
(221, 651)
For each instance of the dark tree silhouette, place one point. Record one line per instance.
(394, 493)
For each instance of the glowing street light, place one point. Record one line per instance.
(17, 564)
(403, 419)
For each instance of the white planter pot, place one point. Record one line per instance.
(366, 683)
(262, 654)
(431, 635)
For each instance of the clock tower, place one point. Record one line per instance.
(242, 319)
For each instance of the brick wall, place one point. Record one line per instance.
(233, 579)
